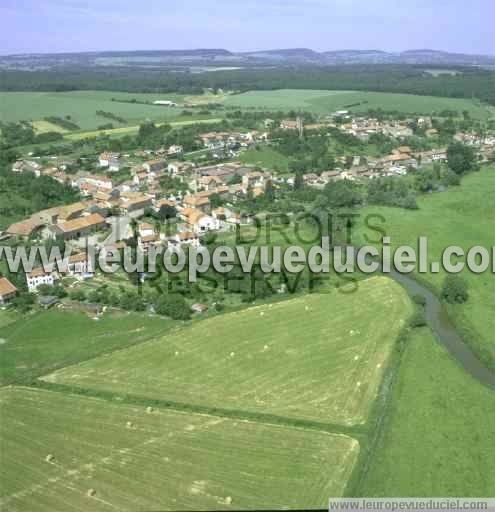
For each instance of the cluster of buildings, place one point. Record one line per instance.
(104, 203)
(483, 144)
(395, 164)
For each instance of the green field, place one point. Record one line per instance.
(440, 435)
(326, 102)
(39, 343)
(82, 107)
(159, 460)
(462, 216)
(317, 357)
(266, 158)
(7, 317)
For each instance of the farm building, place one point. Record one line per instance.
(79, 228)
(7, 291)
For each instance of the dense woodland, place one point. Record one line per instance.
(470, 82)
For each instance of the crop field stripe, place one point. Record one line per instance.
(319, 357)
(138, 460)
(235, 414)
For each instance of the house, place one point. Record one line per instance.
(254, 179)
(214, 140)
(25, 229)
(186, 238)
(145, 229)
(96, 181)
(110, 161)
(327, 176)
(160, 203)
(221, 213)
(179, 168)
(289, 124)
(199, 222)
(155, 166)
(145, 242)
(175, 150)
(134, 204)
(165, 103)
(7, 291)
(79, 266)
(79, 228)
(27, 166)
(197, 201)
(38, 277)
(60, 214)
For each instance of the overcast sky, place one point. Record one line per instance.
(394, 25)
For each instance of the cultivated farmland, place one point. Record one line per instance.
(81, 106)
(318, 357)
(326, 102)
(62, 452)
(39, 343)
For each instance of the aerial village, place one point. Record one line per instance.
(111, 211)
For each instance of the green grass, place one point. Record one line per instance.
(439, 439)
(82, 107)
(7, 317)
(163, 461)
(316, 357)
(39, 343)
(326, 102)
(266, 158)
(462, 216)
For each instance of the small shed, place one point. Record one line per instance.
(47, 301)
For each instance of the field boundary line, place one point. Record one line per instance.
(355, 431)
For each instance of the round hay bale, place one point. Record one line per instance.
(306, 308)
(266, 347)
(262, 313)
(50, 458)
(129, 424)
(358, 384)
(176, 353)
(356, 358)
(232, 354)
(149, 410)
(228, 500)
(91, 493)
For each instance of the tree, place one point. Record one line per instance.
(167, 212)
(172, 305)
(23, 302)
(339, 194)
(455, 290)
(418, 319)
(461, 158)
(298, 181)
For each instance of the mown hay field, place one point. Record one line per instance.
(39, 343)
(318, 357)
(60, 452)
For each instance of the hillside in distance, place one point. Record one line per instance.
(215, 57)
